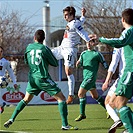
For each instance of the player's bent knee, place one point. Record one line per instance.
(28, 98)
(79, 94)
(59, 97)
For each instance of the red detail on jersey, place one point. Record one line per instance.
(65, 35)
(14, 97)
(46, 97)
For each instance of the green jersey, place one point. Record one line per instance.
(125, 85)
(125, 41)
(90, 61)
(39, 57)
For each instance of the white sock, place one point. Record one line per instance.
(71, 84)
(112, 113)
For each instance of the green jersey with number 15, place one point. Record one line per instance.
(39, 57)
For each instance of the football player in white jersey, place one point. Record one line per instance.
(68, 48)
(6, 66)
(124, 90)
(117, 59)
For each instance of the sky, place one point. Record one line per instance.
(32, 9)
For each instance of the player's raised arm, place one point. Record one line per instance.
(83, 11)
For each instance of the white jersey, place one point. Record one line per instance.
(117, 58)
(6, 66)
(73, 32)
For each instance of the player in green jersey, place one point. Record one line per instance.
(39, 57)
(124, 90)
(89, 60)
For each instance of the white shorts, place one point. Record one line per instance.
(68, 54)
(113, 88)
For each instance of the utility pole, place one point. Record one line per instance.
(46, 22)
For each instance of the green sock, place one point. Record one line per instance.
(82, 105)
(63, 112)
(126, 116)
(100, 101)
(18, 109)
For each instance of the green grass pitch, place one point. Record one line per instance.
(46, 119)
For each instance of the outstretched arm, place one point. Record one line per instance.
(123, 40)
(82, 18)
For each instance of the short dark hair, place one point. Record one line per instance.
(40, 36)
(127, 15)
(70, 9)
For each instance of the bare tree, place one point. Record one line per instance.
(104, 19)
(14, 32)
(15, 35)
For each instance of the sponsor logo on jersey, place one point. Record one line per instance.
(80, 27)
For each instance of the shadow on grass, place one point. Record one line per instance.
(27, 120)
(37, 119)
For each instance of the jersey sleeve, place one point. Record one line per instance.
(10, 71)
(82, 33)
(102, 60)
(51, 58)
(115, 60)
(126, 38)
(82, 20)
(25, 56)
